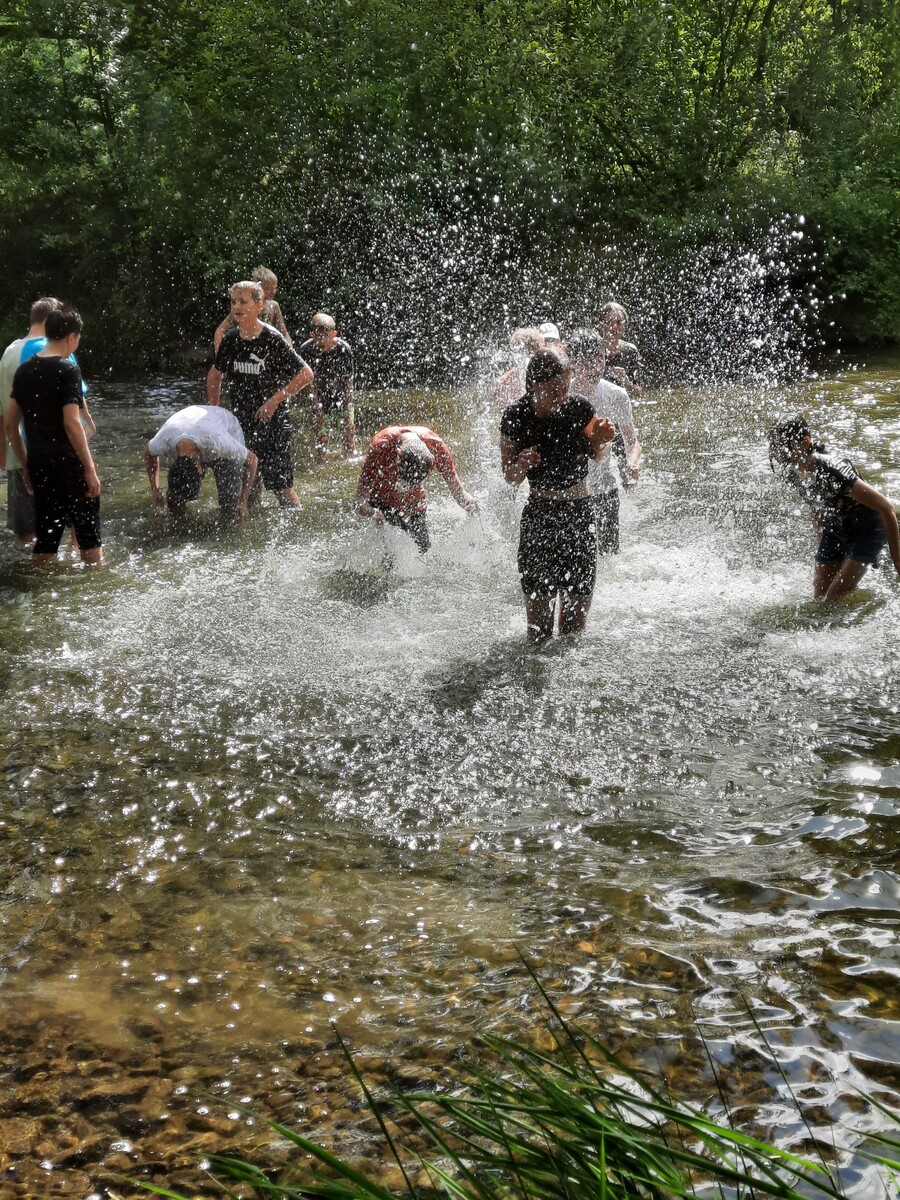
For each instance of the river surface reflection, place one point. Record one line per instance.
(262, 781)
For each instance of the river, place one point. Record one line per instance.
(265, 780)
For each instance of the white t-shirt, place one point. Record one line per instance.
(215, 431)
(610, 401)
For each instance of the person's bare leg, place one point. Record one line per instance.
(846, 579)
(539, 612)
(288, 498)
(573, 613)
(321, 435)
(92, 557)
(825, 573)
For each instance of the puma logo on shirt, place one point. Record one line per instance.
(252, 367)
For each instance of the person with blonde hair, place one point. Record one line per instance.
(263, 372)
(271, 311)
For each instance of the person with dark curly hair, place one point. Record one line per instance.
(854, 520)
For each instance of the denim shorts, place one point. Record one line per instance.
(860, 536)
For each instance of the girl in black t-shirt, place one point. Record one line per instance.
(853, 518)
(547, 438)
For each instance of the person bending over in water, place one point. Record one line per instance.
(548, 438)
(854, 519)
(196, 439)
(263, 372)
(390, 488)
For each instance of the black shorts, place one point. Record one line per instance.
(860, 536)
(558, 547)
(606, 515)
(416, 525)
(270, 441)
(60, 500)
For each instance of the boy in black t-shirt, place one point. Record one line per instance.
(332, 391)
(854, 519)
(57, 467)
(263, 371)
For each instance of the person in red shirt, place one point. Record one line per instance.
(390, 488)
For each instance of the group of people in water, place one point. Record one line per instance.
(566, 427)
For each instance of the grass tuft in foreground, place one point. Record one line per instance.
(575, 1125)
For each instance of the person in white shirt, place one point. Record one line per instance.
(588, 356)
(198, 438)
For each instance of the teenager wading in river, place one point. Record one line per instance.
(547, 438)
(853, 518)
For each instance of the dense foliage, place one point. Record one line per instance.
(383, 154)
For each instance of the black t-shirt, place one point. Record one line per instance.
(256, 368)
(827, 490)
(42, 387)
(560, 438)
(626, 358)
(333, 369)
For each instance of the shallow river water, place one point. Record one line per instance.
(263, 781)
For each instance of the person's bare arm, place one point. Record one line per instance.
(516, 463)
(457, 491)
(633, 450)
(87, 421)
(865, 494)
(214, 386)
(221, 330)
(248, 478)
(78, 441)
(364, 494)
(599, 432)
(279, 322)
(12, 424)
(302, 379)
(151, 462)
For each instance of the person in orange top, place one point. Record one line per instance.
(390, 488)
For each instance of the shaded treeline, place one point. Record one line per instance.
(426, 170)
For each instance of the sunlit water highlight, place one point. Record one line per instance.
(262, 781)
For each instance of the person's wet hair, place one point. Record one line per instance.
(788, 436)
(41, 309)
(414, 463)
(613, 311)
(528, 339)
(62, 322)
(248, 285)
(547, 364)
(184, 480)
(585, 344)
